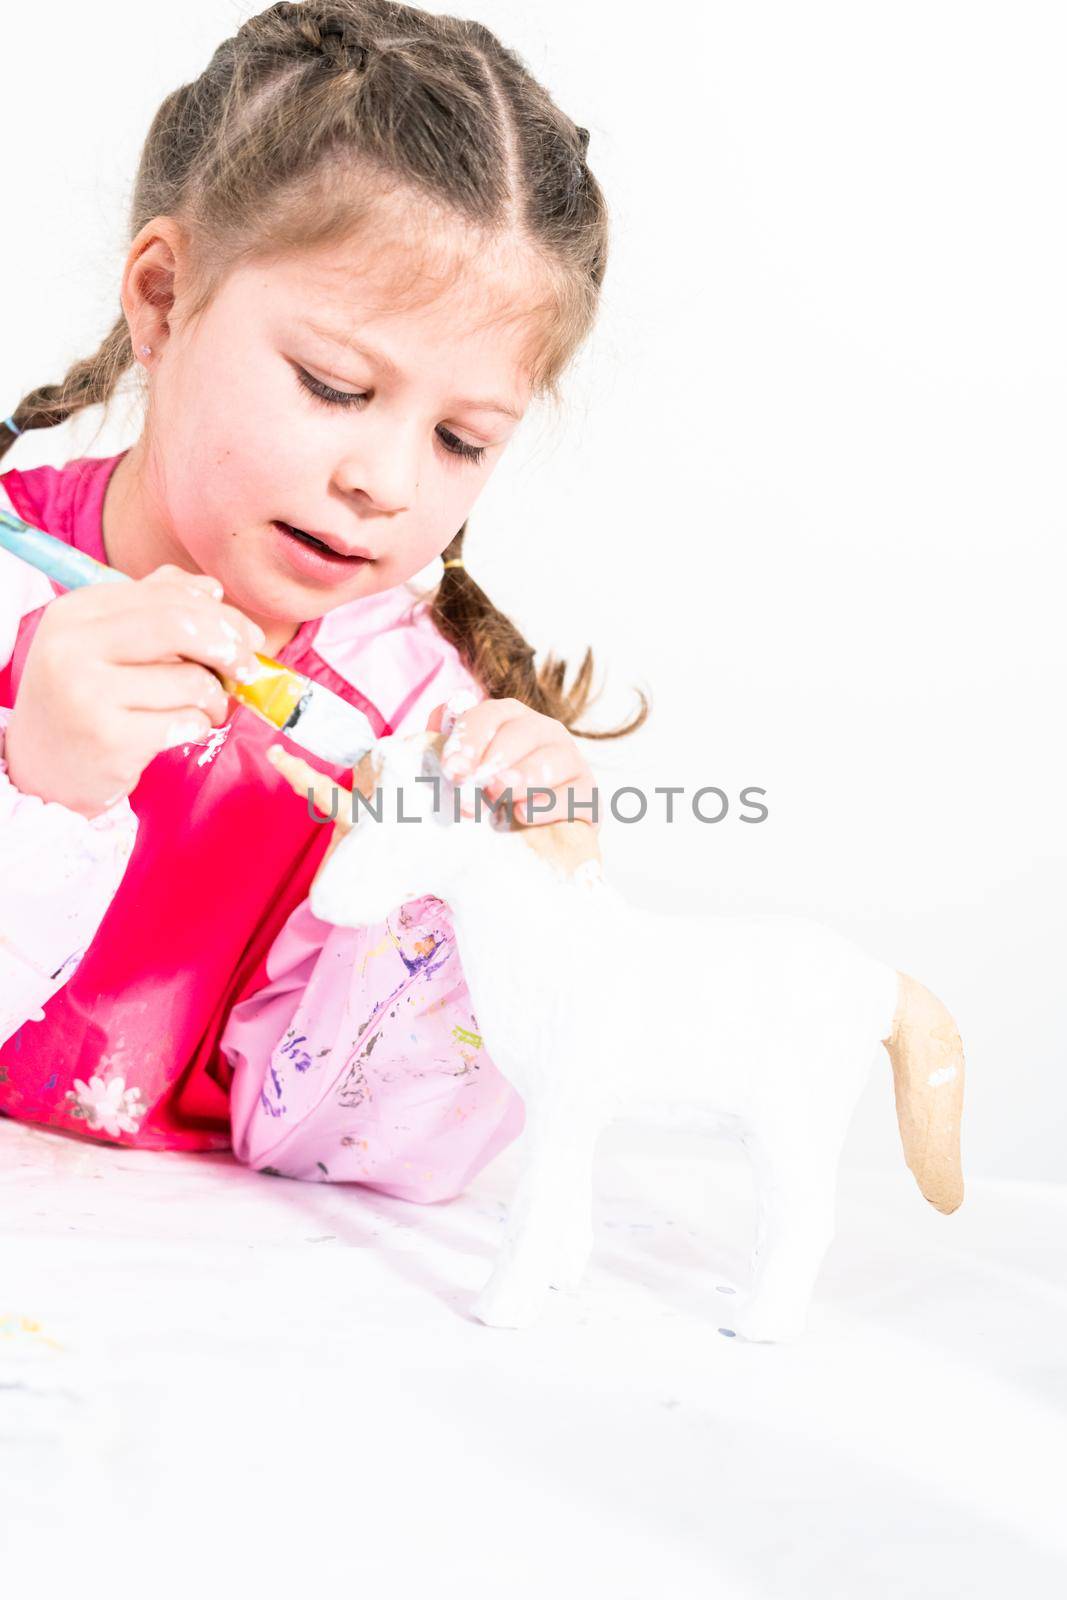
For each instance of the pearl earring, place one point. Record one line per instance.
(146, 349)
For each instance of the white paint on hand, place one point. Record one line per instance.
(456, 704)
(232, 641)
(183, 730)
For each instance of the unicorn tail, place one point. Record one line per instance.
(927, 1055)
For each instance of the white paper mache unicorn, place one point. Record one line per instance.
(567, 979)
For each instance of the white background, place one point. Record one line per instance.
(806, 488)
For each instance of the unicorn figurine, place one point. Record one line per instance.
(568, 983)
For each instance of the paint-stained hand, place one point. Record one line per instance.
(117, 672)
(497, 745)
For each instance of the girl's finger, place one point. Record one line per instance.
(195, 583)
(167, 686)
(559, 812)
(158, 628)
(465, 746)
(507, 763)
(153, 731)
(443, 717)
(572, 792)
(512, 745)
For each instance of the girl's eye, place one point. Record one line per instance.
(321, 391)
(338, 397)
(460, 447)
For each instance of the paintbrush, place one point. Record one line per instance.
(309, 714)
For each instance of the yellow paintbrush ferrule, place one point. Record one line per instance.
(274, 694)
(313, 716)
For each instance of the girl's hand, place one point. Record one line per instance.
(501, 744)
(117, 672)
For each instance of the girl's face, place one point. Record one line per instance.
(300, 400)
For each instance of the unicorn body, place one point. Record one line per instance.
(576, 996)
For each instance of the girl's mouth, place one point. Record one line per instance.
(309, 538)
(316, 544)
(312, 556)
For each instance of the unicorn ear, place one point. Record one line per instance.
(400, 757)
(367, 772)
(426, 747)
(432, 746)
(428, 740)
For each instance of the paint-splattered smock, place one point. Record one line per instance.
(163, 982)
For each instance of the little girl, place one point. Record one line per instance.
(362, 241)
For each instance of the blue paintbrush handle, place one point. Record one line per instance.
(49, 555)
(312, 715)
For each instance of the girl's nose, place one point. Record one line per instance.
(384, 468)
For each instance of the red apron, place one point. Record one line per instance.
(224, 853)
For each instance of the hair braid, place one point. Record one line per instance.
(503, 662)
(88, 383)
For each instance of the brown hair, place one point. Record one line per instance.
(256, 157)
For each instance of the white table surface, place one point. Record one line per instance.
(210, 1376)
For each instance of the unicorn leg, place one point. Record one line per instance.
(576, 1243)
(796, 1186)
(549, 1220)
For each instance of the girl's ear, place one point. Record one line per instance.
(148, 288)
